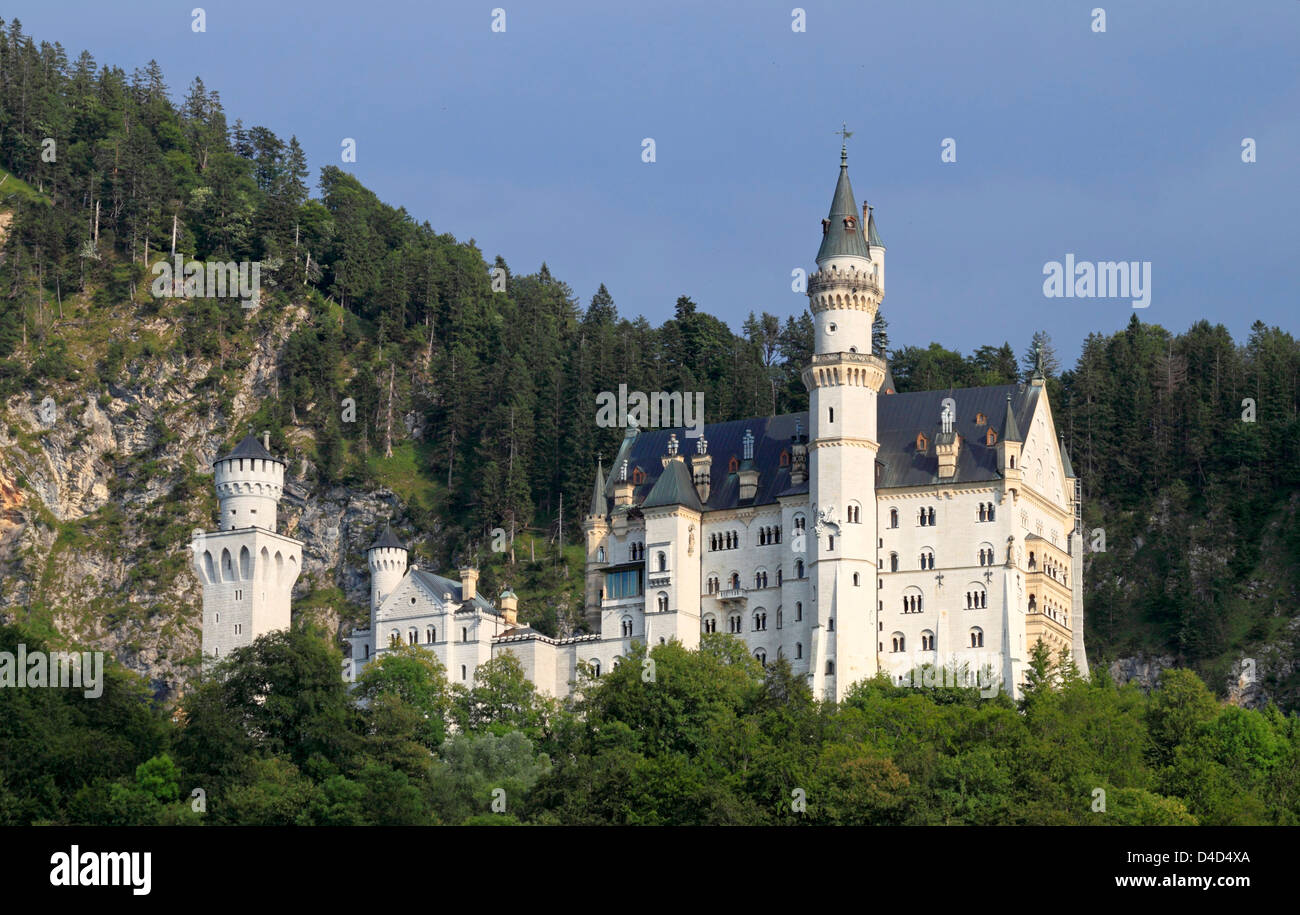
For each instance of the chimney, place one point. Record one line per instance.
(946, 445)
(866, 214)
(266, 440)
(510, 607)
(701, 468)
(748, 472)
(468, 584)
(624, 488)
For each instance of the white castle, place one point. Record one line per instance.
(875, 532)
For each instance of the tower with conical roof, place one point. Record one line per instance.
(595, 527)
(843, 382)
(246, 567)
(387, 558)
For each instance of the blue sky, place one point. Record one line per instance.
(1123, 145)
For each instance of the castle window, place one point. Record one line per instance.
(710, 623)
(367, 647)
(785, 458)
(990, 437)
(893, 562)
(464, 634)
(463, 673)
(1013, 462)
(218, 618)
(921, 443)
(412, 637)
(981, 419)
(663, 562)
(830, 667)
(431, 635)
(830, 540)
(927, 640)
(627, 626)
(394, 639)
(778, 617)
(733, 465)
(239, 628)
(832, 409)
(778, 578)
(830, 624)
(638, 476)
(798, 611)
(897, 641)
(734, 623)
(600, 554)
(990, 511)
(798, 650)
(412, 601)
(927, 559)
(893, 517)
(856, 579)
(735, 581)
(595, 668)
(977, 598)
(760, 621)
(663, 602)
(977, 638)
(761, 655)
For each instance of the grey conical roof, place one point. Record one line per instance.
(1065, 459)
(838, 239)
(387, 540)
(1010, 431)
(873, 237)
(598, 494)
(250, 447)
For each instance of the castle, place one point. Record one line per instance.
(875, 532)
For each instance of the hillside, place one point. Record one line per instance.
(401, 382)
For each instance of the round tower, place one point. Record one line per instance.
(249, 482)
(387, 558)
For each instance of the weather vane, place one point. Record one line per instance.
(845, 133)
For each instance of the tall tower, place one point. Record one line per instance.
(843, 382)
(246, 568)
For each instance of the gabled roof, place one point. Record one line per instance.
(674, 487)
(440, 586)
(839, 240)
(387, 540)
(250, 447)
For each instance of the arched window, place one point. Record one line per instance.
(464, 634)
(760, 621)
(927, 640)
(627, 626)
(394, 639)
(981, 512)
(856, 580)
(897, 641)
(893, 562)
(990, 511)
(893, 517)
(778, 617)
(663, 561)
(412, 636)
(710, 623)
(778, 578)
(761, 655)
(733, 465)
(800, 522)
(798, 611)
(798, 650)
(977, 638)
(367, 647)
(430, 635)
(735, 581)
(595, 667)
(663, 602)
(733, 623)
(798, 568)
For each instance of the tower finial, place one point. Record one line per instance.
(844, 133)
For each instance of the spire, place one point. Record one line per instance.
(1010, 431)
(873, 237)
(842, 229)
(598, 494)
(1065, 459)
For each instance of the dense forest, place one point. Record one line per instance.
(1187, 443)
(676, 737)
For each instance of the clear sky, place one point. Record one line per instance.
(1122, 145)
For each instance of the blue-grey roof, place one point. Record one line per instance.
(1065, 460)
(250, 447)
(440, 586)
(873, 237)
(902, 416)
(674, 487)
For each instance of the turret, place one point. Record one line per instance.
(468, 584)
(624, 487)
(509, 607)
(1009, 443)
(387, 558)
(748, 475)
(702, 468)
(249, 482)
